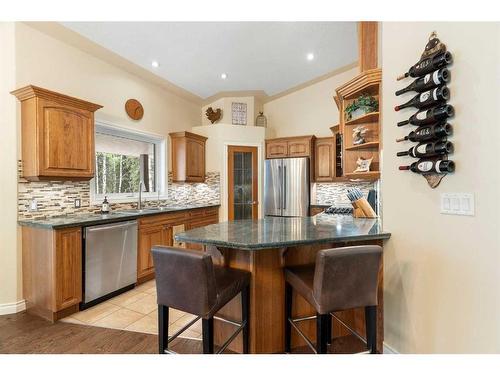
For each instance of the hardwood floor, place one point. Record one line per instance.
(22, 334)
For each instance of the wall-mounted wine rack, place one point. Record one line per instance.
(430, 144)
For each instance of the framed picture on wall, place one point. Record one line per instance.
(239, 113)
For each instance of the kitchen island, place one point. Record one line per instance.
(264, 247)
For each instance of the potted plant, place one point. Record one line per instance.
(361, 106)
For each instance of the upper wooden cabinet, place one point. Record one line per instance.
(324, 159)
(289, 147)
(57, 135)
(188, 157)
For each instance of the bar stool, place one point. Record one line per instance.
(188, 281)
(342, 278)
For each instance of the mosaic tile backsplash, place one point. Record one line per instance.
(334, 193)
(55, 198)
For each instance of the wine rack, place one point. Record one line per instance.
(428, 93)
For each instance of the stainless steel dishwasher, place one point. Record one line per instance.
(110, 261)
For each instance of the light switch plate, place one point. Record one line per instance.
(457, 204)
(78, 203)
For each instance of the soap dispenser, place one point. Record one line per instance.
(105, 205)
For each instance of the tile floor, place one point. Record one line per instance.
(135, 310)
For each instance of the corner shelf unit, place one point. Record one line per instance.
(367, 82)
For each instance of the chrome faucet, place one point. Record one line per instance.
(139, 202)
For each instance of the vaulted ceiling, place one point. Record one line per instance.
(268, 56)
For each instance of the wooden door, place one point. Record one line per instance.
(276, 149)
(68, 268)
(324, 159)
(243, 183)
(67, 141)
(195, 160)
(149, 236)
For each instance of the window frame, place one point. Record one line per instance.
(108, 128)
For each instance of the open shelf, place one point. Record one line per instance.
(362, 146)
(372, 175)
(369, 117)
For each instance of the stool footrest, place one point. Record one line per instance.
(176, 334)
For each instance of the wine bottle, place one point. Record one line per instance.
(423, 150)
(427, 99)
(427, 82)
(424, 166)
(428, 65)
(428, 133)
(428, 116)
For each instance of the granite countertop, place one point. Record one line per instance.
(88, 219)
(275, 232)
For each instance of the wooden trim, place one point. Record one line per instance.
(187, 135)
(30, 91)
(368, 45)
(230, 179)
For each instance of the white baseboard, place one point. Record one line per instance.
(389, 350)
(12, 308)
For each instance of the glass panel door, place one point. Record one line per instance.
(242, 183)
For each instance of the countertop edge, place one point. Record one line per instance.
(262, 246)
(133, 216)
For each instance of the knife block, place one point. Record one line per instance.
(363, 209)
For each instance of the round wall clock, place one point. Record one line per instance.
(134, 109)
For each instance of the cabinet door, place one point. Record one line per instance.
(68, 268)
(276, 149)
(67, 141)
(148, 237)
(195, 160)
(324, 160)
(299, 148)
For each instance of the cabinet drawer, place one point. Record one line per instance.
(162, 219)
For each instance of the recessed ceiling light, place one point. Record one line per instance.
(310, 56)
(155, 64)
(223, 75)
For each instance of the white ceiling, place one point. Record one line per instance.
(268, 56)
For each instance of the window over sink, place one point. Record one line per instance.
(123, 159)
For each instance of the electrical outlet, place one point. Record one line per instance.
(33, 205)
(78, 203)
(457, 204)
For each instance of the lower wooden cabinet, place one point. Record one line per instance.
(52, 271)
(149, 236)
(68, 267)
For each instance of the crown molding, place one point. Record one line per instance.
(70, 37)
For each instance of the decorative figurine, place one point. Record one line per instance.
(363, 165)
(212, 115)
(358, 134)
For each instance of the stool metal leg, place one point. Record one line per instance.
(321, 332)
(371, 328)
(207, 327)
(162, 328)
(245, 318)
(329, 330)
(288, 316)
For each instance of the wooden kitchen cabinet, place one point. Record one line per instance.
(290, 147)
(156, 233)
(188, 157)
(57, 135)
(52, 271)
(324, 159)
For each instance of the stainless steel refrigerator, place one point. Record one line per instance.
(286, 187)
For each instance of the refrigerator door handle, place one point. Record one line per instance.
(284, 187)
(280, 178)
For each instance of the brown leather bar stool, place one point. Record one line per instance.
(342, 278)
(188, 281)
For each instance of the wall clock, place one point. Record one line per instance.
(134, 109)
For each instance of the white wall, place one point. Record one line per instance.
(310, 110)
(441, 272)
(47, 62)
(10, 254)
